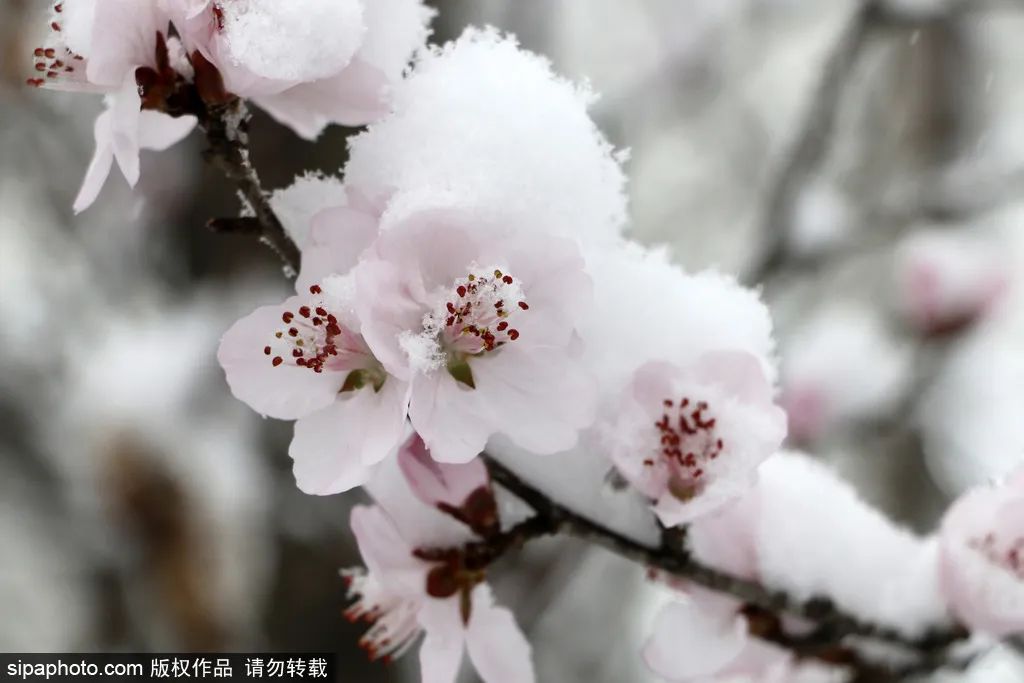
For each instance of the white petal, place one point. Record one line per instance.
(497, 648)
(689, 642)
(335, 448)
(99, 167)
(159, 131)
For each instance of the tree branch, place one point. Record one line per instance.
(824, 642)
(227, 134)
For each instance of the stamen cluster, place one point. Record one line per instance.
(479, 313)
(311, 336)
(688, 438)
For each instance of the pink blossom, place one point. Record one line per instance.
(98, 46)
(982, 557)
(120, 132)
(306, 360)
(483, 329)
(691, 438)
(704, 637)
(460, 490)
(309, 65)
(419, 578)
(947, 282)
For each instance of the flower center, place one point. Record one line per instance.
(314, 339)
(688, 443)
(1008, 556)
(479, 313)
(394, 625)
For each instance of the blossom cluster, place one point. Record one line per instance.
(467, 287)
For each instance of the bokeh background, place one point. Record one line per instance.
(807, 146)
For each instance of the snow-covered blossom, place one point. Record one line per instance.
(815, 536)
(841, 365)
(488, 124)
(308, 64)
(982, 557)
(483, 329)
(692, 438)
(421, 577)
(970, 416)
(306, 360)
(948, 280)
(113, 47)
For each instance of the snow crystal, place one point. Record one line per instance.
(491, 125)
(647, 308)
(816, 537)
(293, 41)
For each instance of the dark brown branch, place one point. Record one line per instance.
(824, 642)
(226, 127)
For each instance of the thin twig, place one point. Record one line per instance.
(226, 127)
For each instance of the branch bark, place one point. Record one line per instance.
(227, 136)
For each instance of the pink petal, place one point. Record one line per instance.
(689, 642)
(124, 37)
(540, 399)
(440, 658)
(99, 167)
(354, 97)
(158, 131)
(125, 108)
(338, 236)
(739, 373)
(441, 652)
(433, 482)
(385, 553)
(450, 418)
(286, 392)
(334, 449)
(497, 648)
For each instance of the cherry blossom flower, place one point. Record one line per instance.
(306, 360)
(112, 47)
(982, 557)
(421, 576)
(483, 329)
(691, 438)
(947, 282)
(842, 365)
(309, 64)
(461, 491)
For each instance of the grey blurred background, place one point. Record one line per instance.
(795, 143)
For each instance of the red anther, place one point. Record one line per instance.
(40, 66)
(502, 326)
(55, 26)
(304, 311)
(317, 322)
(38, 52)
(266, 350)
(297, 353)
(333, 329)
(293, 332)
(287, 317)
(507, 279)
(513, 334)
(320, 310)
(59, 7)
(461, 290)
(499, 304)
(315, 289)
(301, 362)
(51, 74)
(277, 361)
(49, 52)
(523, 305)
(451, 307)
